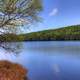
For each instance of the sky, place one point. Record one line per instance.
(58, 13)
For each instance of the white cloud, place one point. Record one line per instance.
(53, 12)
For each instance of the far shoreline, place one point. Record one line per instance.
(45, 41)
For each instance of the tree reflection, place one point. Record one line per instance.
(12, 47)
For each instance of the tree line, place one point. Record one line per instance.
(66, 33)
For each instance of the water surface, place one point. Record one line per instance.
(55, 60)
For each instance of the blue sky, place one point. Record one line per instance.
(58, 13)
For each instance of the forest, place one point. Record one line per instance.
(60, 34)
(64, 33)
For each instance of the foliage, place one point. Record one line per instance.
(16, 13)
(66, 33)
(12, 71)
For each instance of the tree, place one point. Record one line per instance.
(13, 15)
(16, 13)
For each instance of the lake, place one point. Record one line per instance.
(50, 60)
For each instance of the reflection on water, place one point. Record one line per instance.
(49, 60)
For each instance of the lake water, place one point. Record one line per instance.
(54, 60)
